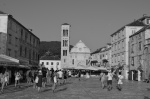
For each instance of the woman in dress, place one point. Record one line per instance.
(39, 84)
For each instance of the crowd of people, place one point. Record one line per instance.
(39, 78)
(107, 77)
(36, 77)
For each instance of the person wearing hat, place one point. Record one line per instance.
(39, 84)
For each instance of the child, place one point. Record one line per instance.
(120, 77)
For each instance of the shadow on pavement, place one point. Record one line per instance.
(12, 89)
(145, 97)
(65, 83)
(61, 89)
(45, 90)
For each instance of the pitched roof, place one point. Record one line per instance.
(47, 57)
(137, 22)
(141, 30)
(1, 12)
(80, 47)
(65, 24)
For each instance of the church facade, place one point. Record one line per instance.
(78, 55)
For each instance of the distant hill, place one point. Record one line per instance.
(53, 47)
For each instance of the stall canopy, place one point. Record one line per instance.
(8, 61)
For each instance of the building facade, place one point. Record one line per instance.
(17, 41)
(79, 55)
(102, 54)
(65, 28)
(139, 57)
(51, 62)
(120, 40)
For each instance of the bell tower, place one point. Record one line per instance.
(65, 28)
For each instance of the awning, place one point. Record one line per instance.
(8, 61)
(23, 66)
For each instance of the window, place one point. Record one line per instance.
(15, 53)
(122, 57)
(9, 51)
(21, 34)
(16, 41)
(132, 61)
(148, 21)
(119, 35)
(122, 43)
(10, 26)
(47, 63)
(25, 52)
(73, 61)
(10, 37)
(42, 63)
(119, 58)
(64, 52)
(140, 35)
(33, 55)
(26, 36)
(140, 58)
(140, 46)
(20, 50)
(133, 31)
(64, 60)
(57, 63)
(30, 39)
(65, 33)
(132, 48)
(51, 63)
(119, 45)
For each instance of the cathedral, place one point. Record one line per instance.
(78, 55)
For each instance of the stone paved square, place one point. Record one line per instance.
(84, 89)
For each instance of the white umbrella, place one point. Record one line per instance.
(91, 68)
(101, 68)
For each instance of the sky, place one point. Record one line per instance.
(92, 21)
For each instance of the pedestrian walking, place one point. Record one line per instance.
(104, 80)
(60, 75)
(79, 74)
(48, 76)
(55, 81)
(65, 74)
(109, 81)
(6, 74)
(2, 81)
(17, 79)
(35, 79)
(39, 84)
(120, 77)
(28, 76)
(44, 80)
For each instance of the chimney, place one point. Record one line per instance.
(30, 30)
(144, 15)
